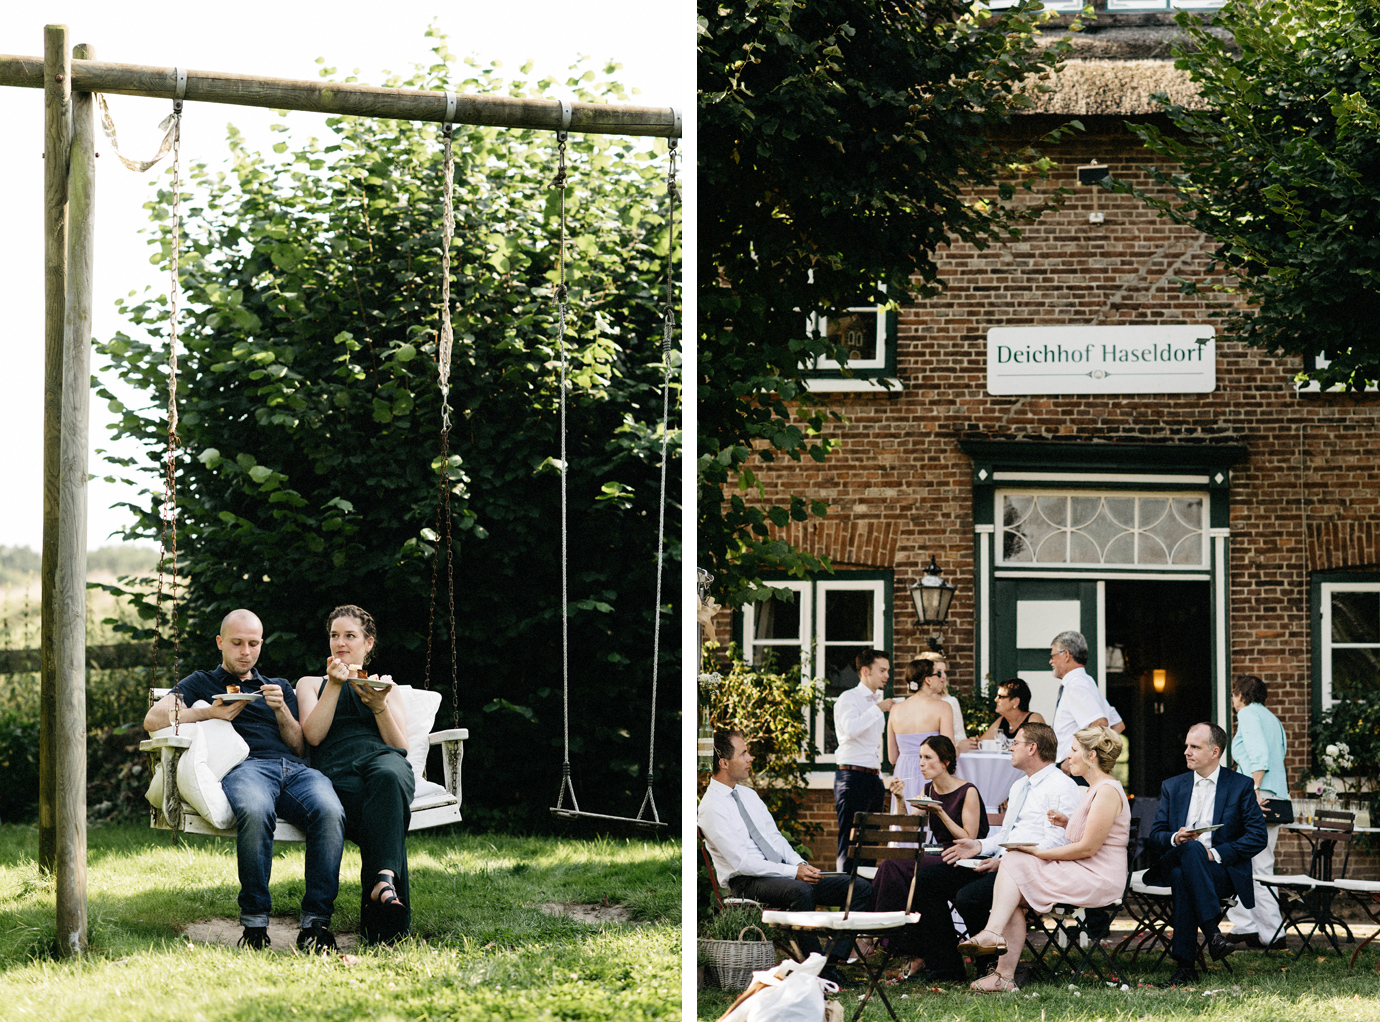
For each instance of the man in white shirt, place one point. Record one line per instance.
(1043, 789)
(750, 856)
(1080, 704)
(859, 721)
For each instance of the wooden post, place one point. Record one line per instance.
(57, 135)
(71, 573)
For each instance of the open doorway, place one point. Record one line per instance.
(1162, 626)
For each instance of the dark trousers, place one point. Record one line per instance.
(1199, 885)
(854, 792)
(934, 938)
(377, 796)
(797, 896)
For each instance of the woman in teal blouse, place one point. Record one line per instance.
(358, 738)
(1258, 749)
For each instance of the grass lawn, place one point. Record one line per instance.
(1261, 987)
(483, 948)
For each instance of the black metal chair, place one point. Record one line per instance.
(1305, 900)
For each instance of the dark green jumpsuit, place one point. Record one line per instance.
(375, 783)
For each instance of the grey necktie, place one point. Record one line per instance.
(768, 853)
(1015, 811)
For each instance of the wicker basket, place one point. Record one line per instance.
(735, 961)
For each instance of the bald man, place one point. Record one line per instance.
(274, 781)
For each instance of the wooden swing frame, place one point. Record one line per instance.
(69, 78)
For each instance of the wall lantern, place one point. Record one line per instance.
(1158, 679)
(932, 597)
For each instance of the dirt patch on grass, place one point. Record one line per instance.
(595, 914)
(282, 934)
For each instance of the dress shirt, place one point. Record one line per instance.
(1259, 745)
(727, 838)
(1030, 800)
(1203, 806)
(1079, 705)
(859, 724)
(958, 716)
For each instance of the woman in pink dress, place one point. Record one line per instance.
(1090, 870)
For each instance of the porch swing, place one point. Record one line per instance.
(433, 805)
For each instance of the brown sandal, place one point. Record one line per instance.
(994, 983)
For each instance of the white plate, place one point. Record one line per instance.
(238, 697)
(969, 863)
(1019, 844)
(924, 803)
(378, 684)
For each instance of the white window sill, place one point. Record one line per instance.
(881, 385)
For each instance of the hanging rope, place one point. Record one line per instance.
(667, 331)
(167, 511)
(562, 294)
(444, 348)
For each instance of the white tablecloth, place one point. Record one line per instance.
(993, 774)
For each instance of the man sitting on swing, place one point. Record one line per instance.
(273, 782)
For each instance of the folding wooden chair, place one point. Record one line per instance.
(874, 836)
(720, 901)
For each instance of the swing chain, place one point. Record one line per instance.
(444, 349)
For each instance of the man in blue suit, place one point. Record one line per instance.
(1204, 866)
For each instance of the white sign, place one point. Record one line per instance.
(1101, 360)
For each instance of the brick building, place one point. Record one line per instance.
(1191, 511)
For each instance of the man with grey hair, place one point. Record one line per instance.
(1080, 705)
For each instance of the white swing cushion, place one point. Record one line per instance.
(421, 705)
(216, 749)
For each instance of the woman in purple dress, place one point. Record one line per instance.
(959, 815)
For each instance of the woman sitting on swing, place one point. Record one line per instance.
(358, 735)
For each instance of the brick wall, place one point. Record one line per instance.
(1306, 498)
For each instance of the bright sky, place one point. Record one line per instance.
(652, 39)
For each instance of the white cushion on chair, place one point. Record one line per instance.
(215, 750)
(836, 920)
(421, 705)
(1291, 880)
(1139, 886)
(1372, 886)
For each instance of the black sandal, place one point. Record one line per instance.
(388, 895)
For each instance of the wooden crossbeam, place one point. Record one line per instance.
(350, 99)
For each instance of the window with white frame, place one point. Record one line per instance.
(1321, 361)
(826, 626)
(1350, 640)
(1083, 528)
(861, 329)
(1143, 6)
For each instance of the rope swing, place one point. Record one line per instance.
(668, 325)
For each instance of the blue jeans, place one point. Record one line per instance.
(260, 791)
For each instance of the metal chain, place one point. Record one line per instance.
(562, 294)
(444, 349)
(168, 509)
(668, 328)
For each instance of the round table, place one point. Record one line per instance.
(993, 774)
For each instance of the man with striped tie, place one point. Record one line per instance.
(750, 856)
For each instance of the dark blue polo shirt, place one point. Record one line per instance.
(257, 724)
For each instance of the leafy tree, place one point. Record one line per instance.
(842, 141)
(1282, 170)
(772, 707)
(310, 414)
